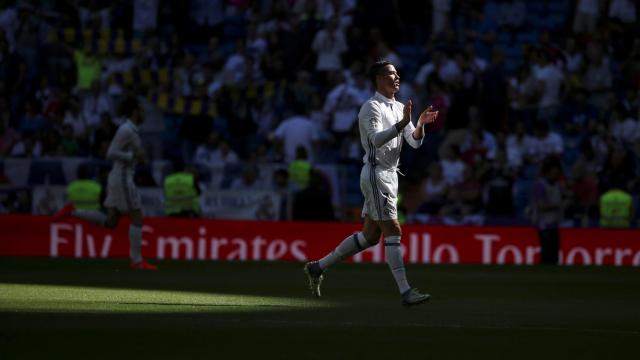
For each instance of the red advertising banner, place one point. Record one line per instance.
(218, 240)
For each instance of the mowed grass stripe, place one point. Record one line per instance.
(35, 297)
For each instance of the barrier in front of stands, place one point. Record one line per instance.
(217, 240)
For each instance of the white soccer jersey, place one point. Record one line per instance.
(121, 190)
(123, 147)
(382, 144)
(378, 135)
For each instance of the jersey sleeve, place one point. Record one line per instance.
(371, 119)
(408, 136)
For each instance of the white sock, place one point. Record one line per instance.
(92, 216)
(135, 241)
(393, 256)
(348, 247)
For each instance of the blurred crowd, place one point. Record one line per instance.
(279, 81)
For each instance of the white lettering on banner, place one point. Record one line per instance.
(175, 243)
(426, 246)
(241, 252)
(276, 250)
(504, 252)
(78, 247)
(216, 244)
(256, 246)
(531, 252)
(80, 238)
(601, 254)
(438, 252)
(296, 250)
(56, 239)
(636, 259)
(486, 239)
(620, 255)
(573, 253)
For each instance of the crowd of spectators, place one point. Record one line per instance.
(276, 75)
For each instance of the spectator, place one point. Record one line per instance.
(329, 44)
(586, 16)
(8, 137)
(545, 142)
(551, 82)
(583, 195)
(434, 191)
(518, 146)
(452, 165)
(300, 168)
(294, 131)
(341, 106)
(548, 209)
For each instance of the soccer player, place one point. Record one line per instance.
(122, 196)
(383, 123)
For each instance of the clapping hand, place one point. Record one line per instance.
(428, 116)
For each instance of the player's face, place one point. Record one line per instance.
(389, 80)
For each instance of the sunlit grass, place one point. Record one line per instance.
(62, 298)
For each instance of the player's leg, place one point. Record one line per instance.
(112, 218)
(353, 244)
(93, 216)
(135, 242)
(393, 256)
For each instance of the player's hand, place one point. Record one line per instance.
(406, 116)
(428, 116)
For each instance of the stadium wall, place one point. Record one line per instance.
(220, 240)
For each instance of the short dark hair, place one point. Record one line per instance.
(376, 69)
(128, 105)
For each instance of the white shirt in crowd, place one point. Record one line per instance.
(552, 79)
(329, 48)
(624, 10)
(589, 7)
(342, 106)
(452, 171)
(552, 144)
(627, 131)
(517, 148)
(296, 131)
(145, 15)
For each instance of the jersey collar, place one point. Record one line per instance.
(384, 98)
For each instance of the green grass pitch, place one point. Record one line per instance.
(99, 309)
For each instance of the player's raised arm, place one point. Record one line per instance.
(428, 116)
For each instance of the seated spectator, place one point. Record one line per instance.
(249, 180)
(497, 193)
(452, 165)
(518, 146)
(434, 191)
(8, 137)
(300, 168)
(545, 142)
(583, 195)
(29, 146)
(32, 120)
(464, 197)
